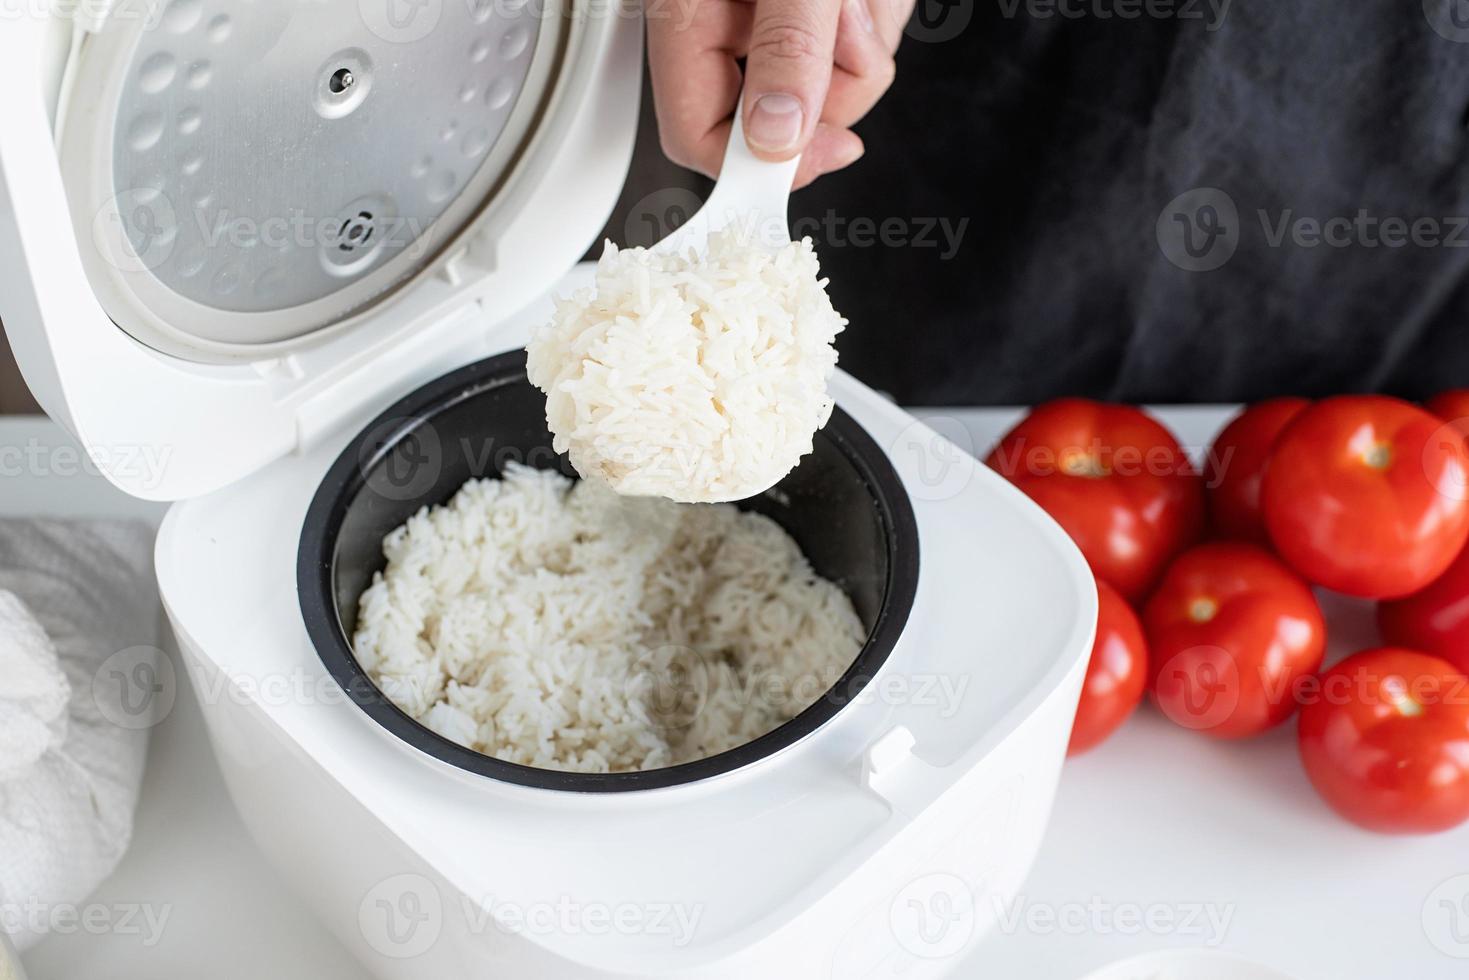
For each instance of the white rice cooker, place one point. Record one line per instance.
(266, 259)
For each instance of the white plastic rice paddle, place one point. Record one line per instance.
(751, 193)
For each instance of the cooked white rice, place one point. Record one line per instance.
(697, 377)
(558, 625)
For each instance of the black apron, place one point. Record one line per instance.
(1146, 200)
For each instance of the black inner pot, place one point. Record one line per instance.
(844, 505)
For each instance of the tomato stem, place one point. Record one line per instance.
(1378, 455)
(1203, 609)
(1084, 465)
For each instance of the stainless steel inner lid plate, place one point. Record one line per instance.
(273, 166)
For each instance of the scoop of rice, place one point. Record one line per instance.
(697, 377)
(558, 625)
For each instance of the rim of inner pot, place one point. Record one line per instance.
(355, 467)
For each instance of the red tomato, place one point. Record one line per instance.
(1434, 620)
(1385, 741)
(1115, 676)
(1232, 633)
(1236, 466)
(1368, 495)
(1452, 407)
(1115, 479)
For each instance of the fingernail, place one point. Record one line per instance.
(775, 123)
(863, 15)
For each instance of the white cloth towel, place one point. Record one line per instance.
(10, 968)
(34, 690)
(72, 595)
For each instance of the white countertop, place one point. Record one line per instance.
(1160, 838)
(228, 916)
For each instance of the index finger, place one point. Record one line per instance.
(692, 47)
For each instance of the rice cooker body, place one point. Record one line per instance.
(832, 856)
(921, 801)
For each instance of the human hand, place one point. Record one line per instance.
(813, 69)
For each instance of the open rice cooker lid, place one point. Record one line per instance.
(274, 208)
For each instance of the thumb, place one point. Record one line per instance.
(787, 73)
